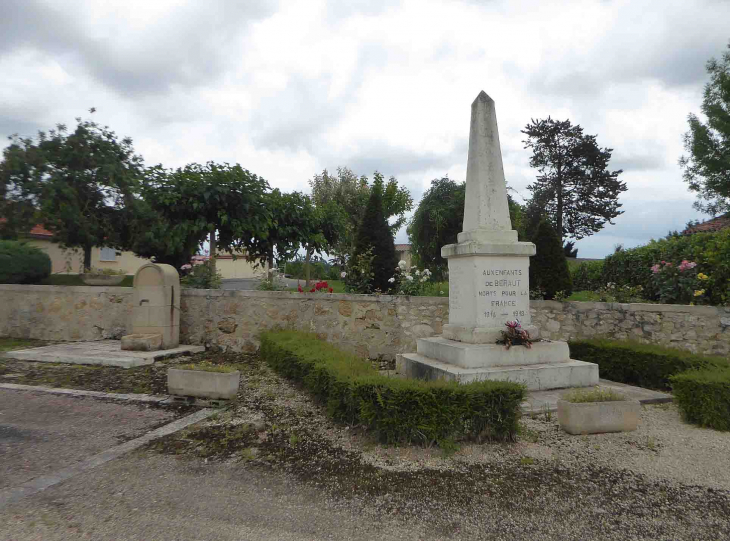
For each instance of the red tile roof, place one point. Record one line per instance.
(40, 231)
(716, 224)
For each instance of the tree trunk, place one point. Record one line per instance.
(87, 257)
(213, 250)
(270, 271)
(307, 268)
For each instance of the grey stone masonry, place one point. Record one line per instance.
(369, 325)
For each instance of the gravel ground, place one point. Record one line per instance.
(275, 467)
(667, 480)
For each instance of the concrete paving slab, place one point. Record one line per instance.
(104, 352)
(538, 402)
(41, 433)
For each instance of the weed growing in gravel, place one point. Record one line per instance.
(527, 461)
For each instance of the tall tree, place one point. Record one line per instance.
(579, 192)
(375, 234)
(438, 220)
(79, 185)
(707, 169)
(218, 202)
(351, 194)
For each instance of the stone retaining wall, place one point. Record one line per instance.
(369, 325)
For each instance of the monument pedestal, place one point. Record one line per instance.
(546, 365)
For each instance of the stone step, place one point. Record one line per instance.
(536, 377)
(467, 355)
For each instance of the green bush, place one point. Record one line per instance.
(202, 277)
(374, 235)
(644, 365)
(548, 267)
(21, 263)
(711, 252)
(587, 276)
(703, 397)
(397, 410)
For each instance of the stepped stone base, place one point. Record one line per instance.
(536, 377)
(465, 355)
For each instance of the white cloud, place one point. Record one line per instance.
(287, 89)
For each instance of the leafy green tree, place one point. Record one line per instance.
(222, 203)
(579, 193)
(439, 218)
(375, 235)
(548, 267)
(79, 185)
(293, 223)
(707, 169)
(351, 194)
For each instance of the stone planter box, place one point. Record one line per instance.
(198, 383)
(102, 279)
(598, 417)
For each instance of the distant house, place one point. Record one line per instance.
(71, 261)
(710, 226)
(403, 253)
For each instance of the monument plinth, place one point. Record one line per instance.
(489, 286)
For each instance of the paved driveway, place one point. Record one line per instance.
(41, 433)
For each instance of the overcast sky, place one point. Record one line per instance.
(288, 89)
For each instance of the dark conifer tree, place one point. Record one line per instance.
(548, 267)
(375, 233)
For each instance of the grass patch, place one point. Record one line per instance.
(75, 280)
(207, 366)
(593, 395)
(7, 344)
(644, 365)
(585, 296)
(703, 397)
(396, 410)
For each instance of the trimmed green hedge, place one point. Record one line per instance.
(711, 252)
(21, 263)
(704, 397)
(587, 276)
(644, 365)
(397, 410)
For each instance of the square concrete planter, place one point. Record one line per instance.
(598, 417)
(202, 384)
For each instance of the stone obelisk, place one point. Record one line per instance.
(489, 286)
(488, 268)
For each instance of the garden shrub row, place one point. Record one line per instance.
(711, 252)
(701, 384)
(703, 397)
(21, 263)
(587, 276)
(643, 365)
(397, 410)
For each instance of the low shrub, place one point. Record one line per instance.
(201, 276)
(397, 410)
(644, 365)
(21, 263)
(587, 276)
(711, 252)
(703, 397)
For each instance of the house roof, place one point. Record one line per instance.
(38, 231)
(402, 247)
(716, 224)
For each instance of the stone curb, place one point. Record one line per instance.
(122, 397)
(13, 494)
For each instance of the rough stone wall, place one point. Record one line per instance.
(368, 325)
(64, 313)
(373, 326)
